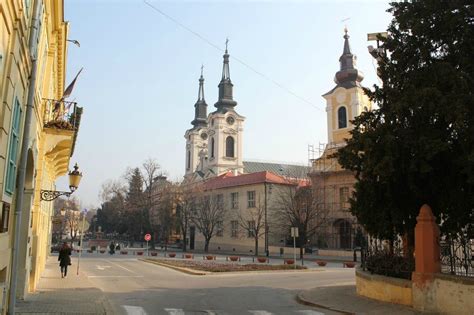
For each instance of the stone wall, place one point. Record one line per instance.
(445, 294)
(387, 289)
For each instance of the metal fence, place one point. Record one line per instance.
(457, 256)
(60, 114)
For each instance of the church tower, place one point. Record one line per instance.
(225, 129)
(197, 136)
(347, 99)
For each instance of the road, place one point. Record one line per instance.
(137, 287)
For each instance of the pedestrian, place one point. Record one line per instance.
(112, 248)
(64, 259)
(118, 247)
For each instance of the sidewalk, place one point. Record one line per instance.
(71, 295)
(345, 300)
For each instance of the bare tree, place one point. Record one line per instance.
(208, 215)
(252, 221)
(299, 207)
(187, 197)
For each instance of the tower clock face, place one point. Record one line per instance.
(203, 136)
(230, 120)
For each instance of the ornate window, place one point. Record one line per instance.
(212, 147)
(342, 117)
(229, 147)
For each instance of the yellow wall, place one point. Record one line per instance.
(354, 100)
(49, 149)
(393, 290)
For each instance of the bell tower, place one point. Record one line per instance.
(196, 137)
(347, 99)
(225, 128)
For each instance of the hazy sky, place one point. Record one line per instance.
(141, 70)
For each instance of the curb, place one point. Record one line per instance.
(301, 300)
(180, 269)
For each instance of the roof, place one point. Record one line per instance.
(286, 170)
(230, 180)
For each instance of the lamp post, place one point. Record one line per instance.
(74, 179)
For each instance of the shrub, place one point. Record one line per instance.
(390, 265)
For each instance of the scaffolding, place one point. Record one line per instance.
(333, 185)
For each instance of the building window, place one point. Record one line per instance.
(189, 160)
(212, 147)
(229, 147)
(234, 232)
(251, 199)
(4, 220)
(343, 195)
(234, 200)
(251, 228)
(342, 117)
(220, 228)
(13, 149)
(220, 201)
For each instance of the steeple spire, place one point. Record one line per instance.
(225, 100)
(348, 75)
(200, 108)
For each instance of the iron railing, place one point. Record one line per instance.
(457, 256)
(60, 114)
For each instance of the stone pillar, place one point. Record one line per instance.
(427, 259)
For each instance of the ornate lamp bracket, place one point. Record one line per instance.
(50, 195)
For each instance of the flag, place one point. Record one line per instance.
(68, 90)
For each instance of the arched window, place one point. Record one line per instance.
(229, 147)
(212, 147)
(342, 117)
(189, 160)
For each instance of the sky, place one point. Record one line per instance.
(141, 70)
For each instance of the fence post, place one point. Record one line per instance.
(427, 258)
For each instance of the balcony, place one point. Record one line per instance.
(60, 114)
(60, 125)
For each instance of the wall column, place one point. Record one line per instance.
(427, 259)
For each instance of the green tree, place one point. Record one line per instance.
(137, 214)
(418, 146)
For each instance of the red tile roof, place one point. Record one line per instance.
(230, 180)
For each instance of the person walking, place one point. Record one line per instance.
(64, 259)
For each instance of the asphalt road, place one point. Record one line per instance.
(136, 287)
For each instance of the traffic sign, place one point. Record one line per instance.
(294, 232)
(147, 237)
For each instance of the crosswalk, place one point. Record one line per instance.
(138, 310)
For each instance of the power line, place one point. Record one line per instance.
(207, 41)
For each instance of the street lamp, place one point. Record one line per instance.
(75, 42)
(74, 180)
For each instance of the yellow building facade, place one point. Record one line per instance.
(333, 184)
(53, 132)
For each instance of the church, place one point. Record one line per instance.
(214, 157)
(214, 143)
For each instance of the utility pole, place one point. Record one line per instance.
(20, 192)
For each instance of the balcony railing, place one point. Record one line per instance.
(60, 114)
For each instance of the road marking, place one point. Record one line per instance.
(121, 267)
(210, 312)
(114, 276)
(310, 312)
(102, 267)
(175, 311)
(134, 310)
(260, 312)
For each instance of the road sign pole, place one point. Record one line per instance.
(147, 248)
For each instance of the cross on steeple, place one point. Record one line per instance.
(226, 44)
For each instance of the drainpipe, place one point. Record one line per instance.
(32, 48)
